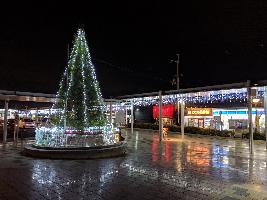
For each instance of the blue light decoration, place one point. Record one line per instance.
(207, 97)
(220, 157)
(237, 112)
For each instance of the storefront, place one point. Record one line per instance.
(237, 119)
(10, 114)
(224, 119)
(198, 117)
(168, 112)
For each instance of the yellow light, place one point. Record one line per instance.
(255, 100)
(117, 137)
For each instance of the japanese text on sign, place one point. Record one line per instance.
(198, 112)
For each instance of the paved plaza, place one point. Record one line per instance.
(195, 167)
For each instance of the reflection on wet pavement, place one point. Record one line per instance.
(190, 168)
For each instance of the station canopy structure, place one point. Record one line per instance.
(227, 95)
(26, 100)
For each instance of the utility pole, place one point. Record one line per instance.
(178, 86)
(177, 73)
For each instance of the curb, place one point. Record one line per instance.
(76, 153)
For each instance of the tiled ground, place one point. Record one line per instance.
(189, 168)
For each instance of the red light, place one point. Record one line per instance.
(167, 111)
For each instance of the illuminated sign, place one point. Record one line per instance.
(198, 112)
(167, 111)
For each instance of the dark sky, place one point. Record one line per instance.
(131, 44)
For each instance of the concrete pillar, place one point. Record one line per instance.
(15, 126)
(182, 118)
(132, 116)
(178, 111)
(14, 132)
(126, 115)
(249, 99)
(36, 120)
(160, 117)
(65, 117)
(265, 112)
(5, 122)
(49, 117)
(110, 112)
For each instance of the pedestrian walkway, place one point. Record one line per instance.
(195, 167)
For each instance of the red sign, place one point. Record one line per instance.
(167, 111)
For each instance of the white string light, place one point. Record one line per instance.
(89, 135)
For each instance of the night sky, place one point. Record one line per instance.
(131, 44)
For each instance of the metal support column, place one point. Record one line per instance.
(36, 119)
(15, 126)
(178, 112)
(132, 116)
(265, 111)
(160, 117)
(178, 87)
(249, 99)
(182, 118)
(66, 98)
(110, 112)
(5, 122)
(126, 116)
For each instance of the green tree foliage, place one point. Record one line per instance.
(79, 97)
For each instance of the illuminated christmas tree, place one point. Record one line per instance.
(79, 94)
(78, 119)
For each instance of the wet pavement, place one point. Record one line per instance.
(195, 167)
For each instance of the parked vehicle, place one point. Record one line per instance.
(11, 123)
(26, 123)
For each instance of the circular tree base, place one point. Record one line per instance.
(115, 150)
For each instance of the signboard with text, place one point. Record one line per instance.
(167, 111)
(238, 123)
(198, 112)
